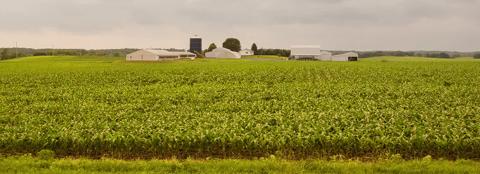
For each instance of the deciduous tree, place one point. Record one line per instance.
(232, 44)
(211, 47)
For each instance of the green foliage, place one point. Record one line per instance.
(232, 44)
(439, 55)
(276, 52)
(271, 165)
(211, 47)
(476, 56)
(8, 53)
(4, 54)
(367, 54)
(90, 106)
(254, 48)
(46, 154)
(414, 59)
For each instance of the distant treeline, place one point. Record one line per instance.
(433, 54)
(9, 53)
(476, 55)
(367, 54)
(276, 52)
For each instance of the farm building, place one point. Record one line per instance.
(196, 44)
(156, 55)
(310, 52)
(316, 53)
(246, 52)
(223, 53)
(350, 56)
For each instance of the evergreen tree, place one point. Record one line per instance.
(254, 48)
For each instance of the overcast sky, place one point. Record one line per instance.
(331, 24)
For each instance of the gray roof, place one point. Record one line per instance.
(169, 53)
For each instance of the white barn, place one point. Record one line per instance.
(315, 52)
(223, 53)
(156, 55)
(247, 52)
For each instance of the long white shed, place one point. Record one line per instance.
(156, 55)
(309, 52)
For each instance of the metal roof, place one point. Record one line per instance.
(168, 53)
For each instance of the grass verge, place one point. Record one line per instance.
(28, 164)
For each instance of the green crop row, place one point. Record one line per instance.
(218, 108)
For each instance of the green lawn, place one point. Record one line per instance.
(426, 166)
(265, 57)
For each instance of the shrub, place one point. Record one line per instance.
(476, 56)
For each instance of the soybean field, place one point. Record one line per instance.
(96, 107)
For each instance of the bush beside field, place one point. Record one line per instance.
(239, 109)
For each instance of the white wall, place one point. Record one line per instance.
(305, 51)
(340, 58)
(223, 53)
(311, 53)
(142, 55)
(344, 57)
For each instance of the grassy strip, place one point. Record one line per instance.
(28, 164)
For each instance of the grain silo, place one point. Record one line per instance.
(195, 44)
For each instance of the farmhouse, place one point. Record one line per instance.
(156, 55)
(246, 52)
(316, 53)
(223, 53)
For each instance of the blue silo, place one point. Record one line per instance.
(196, 44)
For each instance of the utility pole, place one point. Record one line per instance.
(53, 50)
(16, 51)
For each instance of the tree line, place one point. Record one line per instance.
(230, 43)
(9, 53)
(476, 55)
(433, 54)
(235, 45)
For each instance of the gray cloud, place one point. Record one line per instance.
(335, 24)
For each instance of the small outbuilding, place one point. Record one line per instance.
(156, 55)
(247, 52)
(223, 53)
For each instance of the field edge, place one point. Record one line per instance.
(29, 164)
